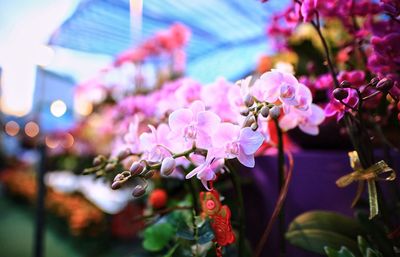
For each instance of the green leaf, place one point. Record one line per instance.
(157, 236)
(331, 252)
(171, 251)
(376, 233)
(362, 245)
(328, 221)
(343, 252)
(372, 253)
(315, 240)
(206, 233)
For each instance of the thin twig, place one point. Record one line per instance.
(160, 212)
(316, 25)
(278, 207)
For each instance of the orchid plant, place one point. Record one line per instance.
(195, 131)
(359, 84)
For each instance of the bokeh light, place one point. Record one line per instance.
(68, 141)
(51, 142)
(31, 129)
(58, 108)
(12, 128)
(82, 106)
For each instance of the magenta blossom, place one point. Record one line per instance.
(192, 126)
(230, 141)
(335, 107)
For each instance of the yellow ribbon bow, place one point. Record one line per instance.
(378, 171)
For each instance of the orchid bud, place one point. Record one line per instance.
(116, 184)
(245, 112)
(123, 154)
(98, 160)
(136, 168)
(254, 126)
(109, 167)
(119, 177)
(374, 81)
(340, 93)
(248, 100)
(167, 166)
(384, 84)
(138, 191)
(274, 112)
(149, 174)
(249, 120)
(345, 84)
(264, 111)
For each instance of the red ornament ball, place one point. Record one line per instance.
(158, 198)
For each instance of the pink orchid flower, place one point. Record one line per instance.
(276, 85)
(307, 122)
(155, 144)
(192, 126)
(215, 97)
(230, 141)
(206, 171)
(131, 138)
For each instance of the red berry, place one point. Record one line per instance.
(158, 198)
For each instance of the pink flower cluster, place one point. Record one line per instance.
(167, 42)
(206, 125)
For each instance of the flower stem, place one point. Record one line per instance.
(281, 181)
(317, 27)
(239, 194)
(278, 207)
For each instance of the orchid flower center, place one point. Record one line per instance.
(302, 104)
(190, 132)
(232, 148)
(288, 91)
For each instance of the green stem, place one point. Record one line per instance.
(194, 191)
(317, 27)
(239, 194)
(281, 181)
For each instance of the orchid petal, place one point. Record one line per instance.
(309, 129)
(197, 107)
(225, 133)
(250, 140)
(207, 121)
(246, 160)
(180, 119)
(288, 121)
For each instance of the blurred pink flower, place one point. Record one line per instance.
(155, 144)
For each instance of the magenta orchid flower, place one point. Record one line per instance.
(307, 122)
(192, 126)
(335, 107)
(230, 141)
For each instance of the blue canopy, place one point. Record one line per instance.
(227, 35)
